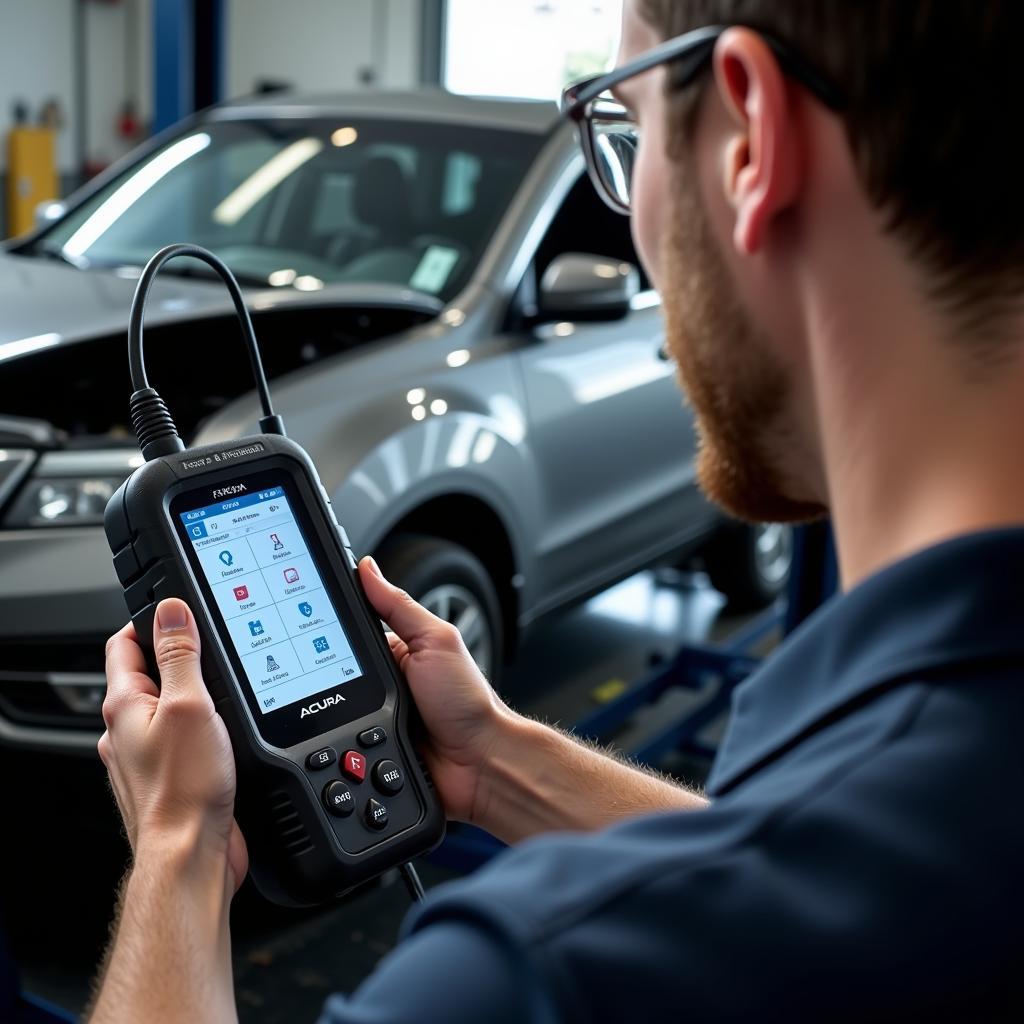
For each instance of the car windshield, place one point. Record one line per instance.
(303, 203)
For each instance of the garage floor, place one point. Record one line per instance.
(63, 853)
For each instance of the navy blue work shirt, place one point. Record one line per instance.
(863, 858)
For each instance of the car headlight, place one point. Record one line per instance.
(70, 489)
(62, 502)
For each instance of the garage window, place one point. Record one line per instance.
(544, 45)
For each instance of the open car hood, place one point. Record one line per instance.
(46, 303)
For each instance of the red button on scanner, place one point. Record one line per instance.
(353, 764)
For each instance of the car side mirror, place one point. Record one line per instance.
(48, 211)
(580, 286)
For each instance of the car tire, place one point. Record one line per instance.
(452, 583)
(750, 564)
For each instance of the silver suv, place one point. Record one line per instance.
(460, 335)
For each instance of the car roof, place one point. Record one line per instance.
(427, 104)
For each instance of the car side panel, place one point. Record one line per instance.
(615, 446)
(392, 428)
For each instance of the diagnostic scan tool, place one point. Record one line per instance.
(331, 792)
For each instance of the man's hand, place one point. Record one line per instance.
(173, 774)
(466, 721)
(492, 767)
(167, 751)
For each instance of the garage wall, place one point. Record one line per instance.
(312, 44)
(322, 45)
(118, 39)
(404, 39)
(37, 62)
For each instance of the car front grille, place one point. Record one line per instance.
(53, 684)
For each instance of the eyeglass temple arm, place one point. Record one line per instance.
(695, 48)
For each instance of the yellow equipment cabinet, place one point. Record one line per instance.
(31, 175)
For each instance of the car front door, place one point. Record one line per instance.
(608, 427)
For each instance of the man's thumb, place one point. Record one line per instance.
(411, 621)
(176, 645)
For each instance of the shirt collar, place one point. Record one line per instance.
(954, 603)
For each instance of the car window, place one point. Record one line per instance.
(209, 181)
(585, 224)
(301, 203)
(333, 210)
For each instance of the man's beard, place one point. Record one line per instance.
(739, 392)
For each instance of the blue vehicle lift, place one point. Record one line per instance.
(189, 41)
(715, 669)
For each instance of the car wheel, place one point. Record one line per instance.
(452, 583)
(750, 564)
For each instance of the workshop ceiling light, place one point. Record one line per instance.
(344, 136)
(458, 358)
(416, 396)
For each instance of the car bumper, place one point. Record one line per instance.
(59, 600)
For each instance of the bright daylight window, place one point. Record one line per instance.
(527, 48)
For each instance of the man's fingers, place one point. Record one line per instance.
(176, 645)
(399, 648)
(411, 621)
(126, 673)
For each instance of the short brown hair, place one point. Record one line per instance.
(934, 106)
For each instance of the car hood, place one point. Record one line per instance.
(46, 303)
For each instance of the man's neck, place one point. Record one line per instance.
(879, 521)
(919, 444)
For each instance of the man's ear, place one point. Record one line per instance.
(762, 158)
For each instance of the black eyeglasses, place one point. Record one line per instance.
(609, 135)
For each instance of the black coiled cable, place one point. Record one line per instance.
(153, 424)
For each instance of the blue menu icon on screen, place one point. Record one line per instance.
(320, 645)
(305, 608)
(255, 627)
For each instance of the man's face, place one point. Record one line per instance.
(737, 383)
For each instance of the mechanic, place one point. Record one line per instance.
(842, 287)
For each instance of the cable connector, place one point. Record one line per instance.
(153, 425)
(272, 425)
(412, 882)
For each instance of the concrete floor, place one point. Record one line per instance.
(64, 853)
